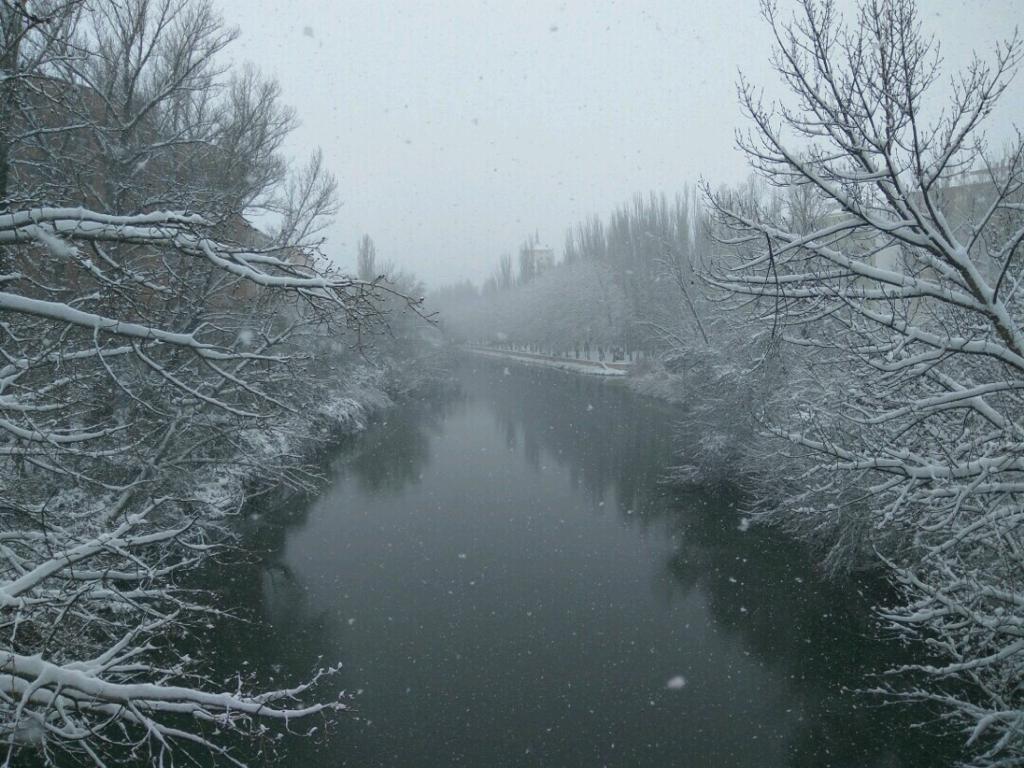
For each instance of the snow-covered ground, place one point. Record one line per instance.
(587, 367)
(346, 411)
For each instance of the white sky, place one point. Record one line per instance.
(456, 128)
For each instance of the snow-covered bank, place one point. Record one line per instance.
(343, 412)
(586, 367)
(267, 453)
(110, 560)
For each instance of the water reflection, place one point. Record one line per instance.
(508, 583)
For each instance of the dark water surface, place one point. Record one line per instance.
(508, 584)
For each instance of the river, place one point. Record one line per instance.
(508, 582)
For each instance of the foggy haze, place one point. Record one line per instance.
(457, 128)
(552, 461)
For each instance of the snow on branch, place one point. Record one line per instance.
(885, 252)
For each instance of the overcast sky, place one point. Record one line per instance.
(456, 128)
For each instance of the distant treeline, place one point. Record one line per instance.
(615, 290)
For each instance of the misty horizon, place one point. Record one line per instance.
(458, 129)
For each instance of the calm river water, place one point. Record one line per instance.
(507, 583)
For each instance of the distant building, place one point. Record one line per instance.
(542, 257)
(964, 200)
(64, 161)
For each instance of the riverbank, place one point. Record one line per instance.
(571, 365)
(344, 412)
(117, 552)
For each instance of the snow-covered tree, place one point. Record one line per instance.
(892, 267)
(151, 340)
